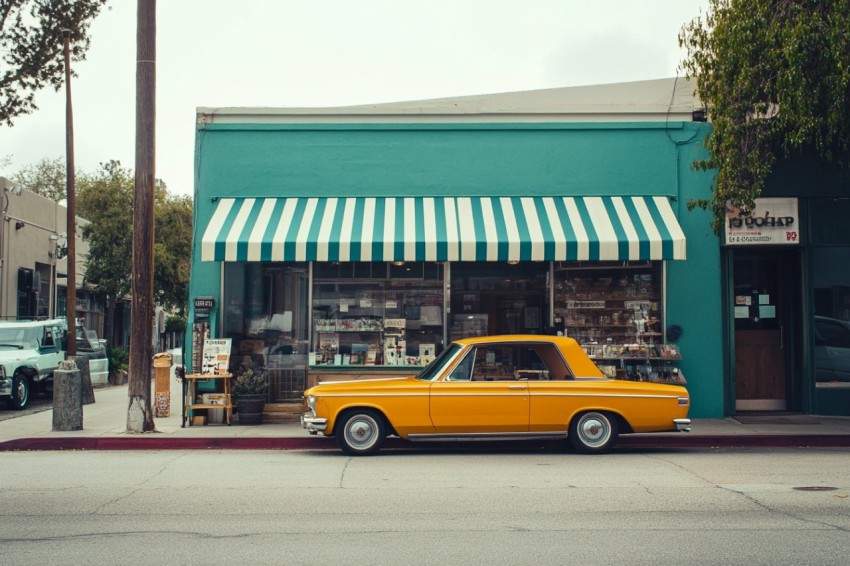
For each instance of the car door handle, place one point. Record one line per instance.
(517, 387)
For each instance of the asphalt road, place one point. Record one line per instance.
(37, 404)
(677, 506)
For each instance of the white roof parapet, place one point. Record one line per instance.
(671, 99)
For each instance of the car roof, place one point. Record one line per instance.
(516, 338)
(32, 323)
(829, 319)
(578, 360)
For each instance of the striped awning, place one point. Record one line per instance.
(442, 229)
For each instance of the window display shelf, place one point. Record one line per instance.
(350, 325)
(610, 306)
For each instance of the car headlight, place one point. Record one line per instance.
(311, 403)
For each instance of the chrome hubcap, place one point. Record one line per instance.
(594, 430)
(361, 432)
(21, 391)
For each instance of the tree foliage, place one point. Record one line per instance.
(32, 48)
(46, 178)
(105, 199)
(172, 249)
(775, 77)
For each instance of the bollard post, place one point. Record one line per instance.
(87, 391)
(162, 389)
(67, 397)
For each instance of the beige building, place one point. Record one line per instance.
(33, 261)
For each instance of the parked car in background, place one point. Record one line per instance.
(93, 348)
(832, 349)
(497, 387)
(30, 351)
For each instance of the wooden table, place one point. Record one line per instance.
(191, 403)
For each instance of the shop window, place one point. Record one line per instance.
(832, 317)
(498, 298)
(613, 311)
(392, 318)
(43, 282)
(265, 313)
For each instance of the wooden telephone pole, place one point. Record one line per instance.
(139, 413)
(71, 218)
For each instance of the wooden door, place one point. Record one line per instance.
(759, 370)
(761, 380)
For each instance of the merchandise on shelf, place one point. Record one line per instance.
(615, 313)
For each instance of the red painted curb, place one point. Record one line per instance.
(753, 440)
(154, 442)
(165, 443)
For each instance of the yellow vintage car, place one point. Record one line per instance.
(497, 387)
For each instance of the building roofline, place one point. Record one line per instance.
(671, 98)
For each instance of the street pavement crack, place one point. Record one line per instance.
(342, 475)
(134, 491)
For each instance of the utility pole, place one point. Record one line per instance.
(139, 413)
(71, 228)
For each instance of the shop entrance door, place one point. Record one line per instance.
(762, 284)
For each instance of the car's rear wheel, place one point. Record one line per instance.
(360, 432)
(20, 392)
(593, 432)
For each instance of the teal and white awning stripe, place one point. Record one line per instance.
(442, 229)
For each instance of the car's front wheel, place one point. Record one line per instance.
(20, 392)
(593, 432)
(360, 432)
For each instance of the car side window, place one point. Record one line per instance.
(463, 371)
(495, 363)
(48, 341)
(833, 334)
(525, 362)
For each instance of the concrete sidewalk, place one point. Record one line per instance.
(105, 422)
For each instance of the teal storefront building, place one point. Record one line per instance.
(354, 242)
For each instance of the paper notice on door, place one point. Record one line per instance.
(742, 312)
(767, 311)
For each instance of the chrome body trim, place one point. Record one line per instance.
(682, 425)
(494, 392)
(313, 424)
(484, 436)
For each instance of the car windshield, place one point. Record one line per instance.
(87, 340)
(432, 370)
(20, 337)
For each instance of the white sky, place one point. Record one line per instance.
(279, 53)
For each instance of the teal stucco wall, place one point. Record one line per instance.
(487, 160)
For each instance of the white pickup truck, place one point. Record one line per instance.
(30, 351)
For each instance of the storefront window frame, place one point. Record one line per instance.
(447, 268)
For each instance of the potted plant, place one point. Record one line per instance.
(250, 388)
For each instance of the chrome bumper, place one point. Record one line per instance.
(682, 425)
(313, 424)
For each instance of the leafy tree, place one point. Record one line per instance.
(105, 199)
(173, 249)
(31, 46)
(46, 178)
(775, 77)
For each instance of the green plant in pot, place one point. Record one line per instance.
(250, 389)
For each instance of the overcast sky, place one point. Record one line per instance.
(284, 53)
